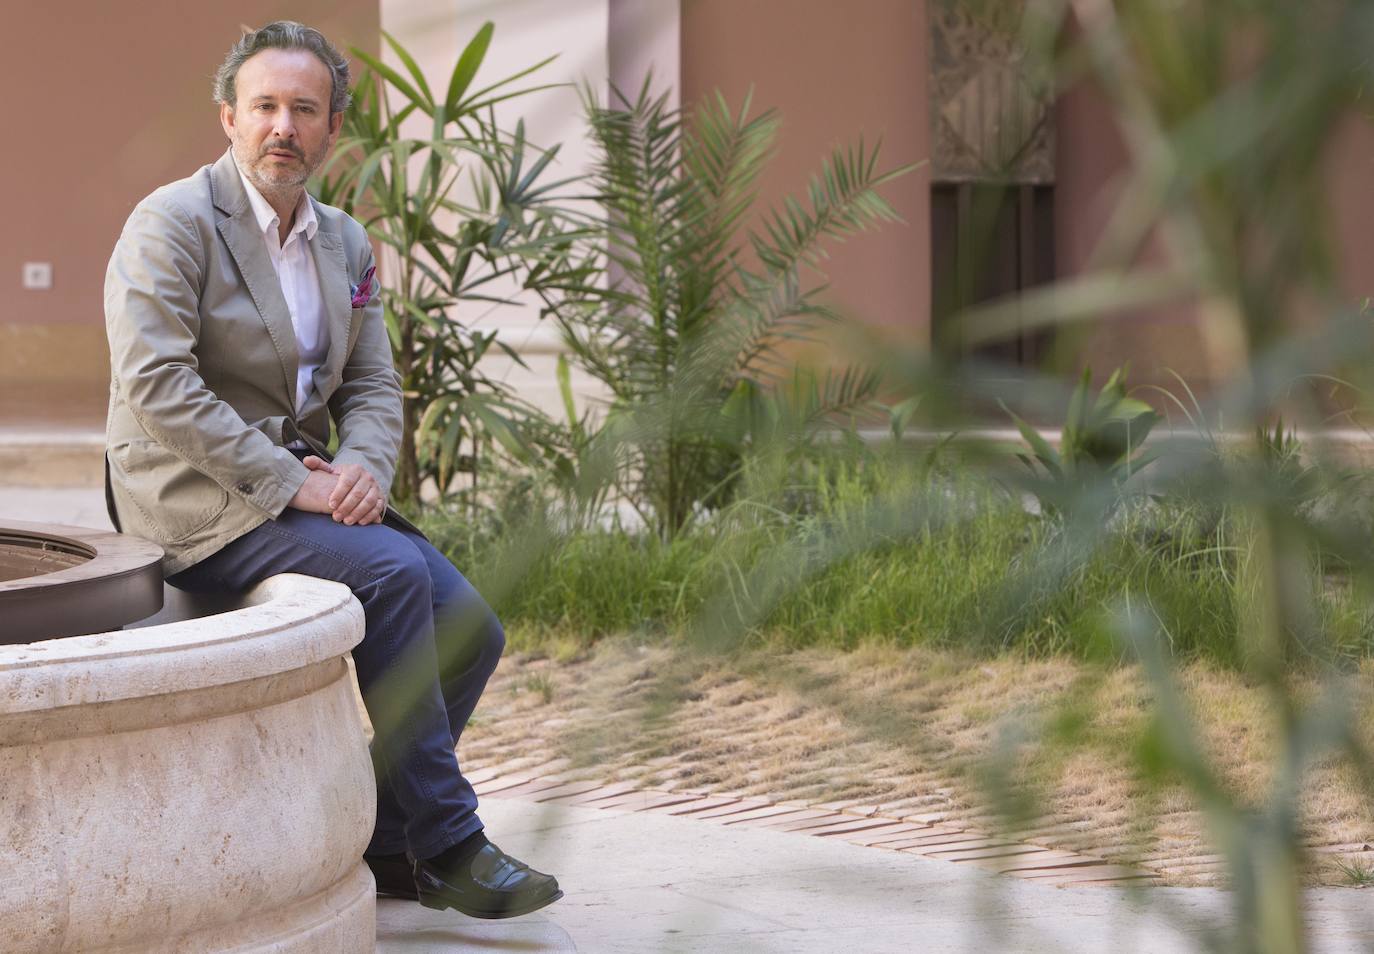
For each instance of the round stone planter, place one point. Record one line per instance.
(195, 786)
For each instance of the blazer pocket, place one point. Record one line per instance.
(173, 498)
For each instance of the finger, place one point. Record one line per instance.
(380, 512)
(363, 513)
(353, 504)
(355, 507)
(317, 463)
(376, 515)
(357, 513)
(348, 479)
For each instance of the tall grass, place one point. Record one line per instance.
(966, 577)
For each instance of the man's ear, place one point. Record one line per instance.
(226, 119)
(335, 124)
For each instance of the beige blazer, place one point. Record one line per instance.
(203, 368)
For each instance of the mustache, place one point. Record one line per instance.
(281, 145)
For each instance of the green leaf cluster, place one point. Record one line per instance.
(693, 333)
(458, 208)
(1100, 447)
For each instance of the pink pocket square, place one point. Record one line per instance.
(362, 292)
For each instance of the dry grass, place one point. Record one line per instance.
(909, 730)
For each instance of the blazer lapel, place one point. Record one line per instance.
(244, 239)
(335, 290)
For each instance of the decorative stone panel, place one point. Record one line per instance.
(991, 114)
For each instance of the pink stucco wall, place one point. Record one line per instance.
(1092, 161)
(1090, 165)
(113, 100)
(834, 71)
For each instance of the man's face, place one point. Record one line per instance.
(279, 125)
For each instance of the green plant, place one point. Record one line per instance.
(541, 684)
(1100, 448)
(686, 335)
(1295, 484)
(1356, 872)
(858, 565)
(437, 251)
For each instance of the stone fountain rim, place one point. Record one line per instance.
(111, 554)
(119, 583)
(291, 621)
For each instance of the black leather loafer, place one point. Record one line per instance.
(492, 885)
(394, 874)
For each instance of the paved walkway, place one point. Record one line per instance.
(645, 882)
(930, 834)
(640, 882)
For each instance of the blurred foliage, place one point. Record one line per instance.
(1228, 112)
(1248, 546)
(831, 521)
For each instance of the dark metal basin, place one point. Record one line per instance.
(69, 581)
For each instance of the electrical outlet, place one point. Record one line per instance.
(38, 275)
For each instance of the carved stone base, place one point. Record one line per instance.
(199, 786)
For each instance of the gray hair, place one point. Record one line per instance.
(284, 35)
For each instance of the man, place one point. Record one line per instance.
(243, 319)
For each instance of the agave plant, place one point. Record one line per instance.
(1100, 447)
(437, 251)
(685, 334)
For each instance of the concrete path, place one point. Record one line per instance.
(73, 506)
(641, 882)
(53, 476)
(638, 882)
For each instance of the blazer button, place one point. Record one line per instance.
(244, 487)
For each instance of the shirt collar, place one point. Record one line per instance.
(267, 217)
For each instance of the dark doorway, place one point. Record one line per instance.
(988, 241)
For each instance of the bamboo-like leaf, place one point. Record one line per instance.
(420, 100)
(448, 444)
(1075, 418)
(469, 61)
(564, 377)
(412, 68)
(1044, 453)
(500, 429)
(474, 102)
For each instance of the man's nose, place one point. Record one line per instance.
(284, 127)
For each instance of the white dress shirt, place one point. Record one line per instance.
(300, 284)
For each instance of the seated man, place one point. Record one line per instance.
(243, 317)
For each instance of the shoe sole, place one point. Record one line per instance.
(439, 903)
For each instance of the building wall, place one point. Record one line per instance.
(1349, 170)
(111, 100)
(834, 71)
(644, 37)
(98, 137)
(1092, 162)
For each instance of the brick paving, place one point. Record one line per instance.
(917, 835)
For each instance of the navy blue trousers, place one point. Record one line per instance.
(430, 645)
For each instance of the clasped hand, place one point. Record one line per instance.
(348, 492)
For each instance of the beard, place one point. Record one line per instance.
(272, 177)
